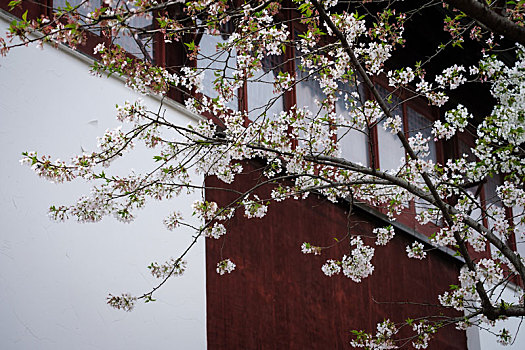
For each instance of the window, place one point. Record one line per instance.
(519, 222)
(308, 93)
(417, 123)
(217, 63)
(352, 137)
(135, 40)
(492, 201)
(83, 10)
(262, 100)
(390, 149)
(307, 89)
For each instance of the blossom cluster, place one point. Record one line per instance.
(254, 208)
(424, 332)
(384, 234)
(215, 231)
(416, 251)
(301, 143)
(124, 301)
(356, 266)
(307, 248)
(402, 76)
(383, 339)
(172, 267)
(225, 266)
(457, 120)
(452, 77)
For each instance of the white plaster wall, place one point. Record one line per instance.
(54, 277)
(488, 341)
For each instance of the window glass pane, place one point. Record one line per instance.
(86, 8)
(308, 90)
(216, 63)
(492, 200)
(517, 213)
(417, 123)
(464, 148)
(391, 151)
(476, 211)
(352, 139)
(491, 196)
(422, 205)
(261, 96)
(133, 41)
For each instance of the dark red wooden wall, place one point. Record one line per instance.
(278, 298)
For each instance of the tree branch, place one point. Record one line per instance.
(446, 209)
(479, 11)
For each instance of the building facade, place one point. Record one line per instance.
(57, 275)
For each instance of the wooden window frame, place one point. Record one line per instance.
(422, 107)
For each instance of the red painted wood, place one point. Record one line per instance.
(34, 8)
(278, 298)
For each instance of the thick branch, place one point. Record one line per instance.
(479, 11)
(436, 199)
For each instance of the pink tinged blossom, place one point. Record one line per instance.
(225, 266)
(173, 220)
(438, 98)
(307, 248)
(254, 208)
(504, 337)
(172, 267)
(382, 339)
(99, 48)
(4, 49)
(124, 302)
(204, 209)
(331, 267)
(424, 332)
(131, 112)
(384, 234)
(416, 251)
(358, 265)
(215, 231)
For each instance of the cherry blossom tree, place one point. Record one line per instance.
(342, 48)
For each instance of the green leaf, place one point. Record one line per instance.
(13, 4)
(149, 298)
(24, 16)
(190, 46)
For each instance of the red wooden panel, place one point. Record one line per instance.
(278, 298)
(34, 8)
